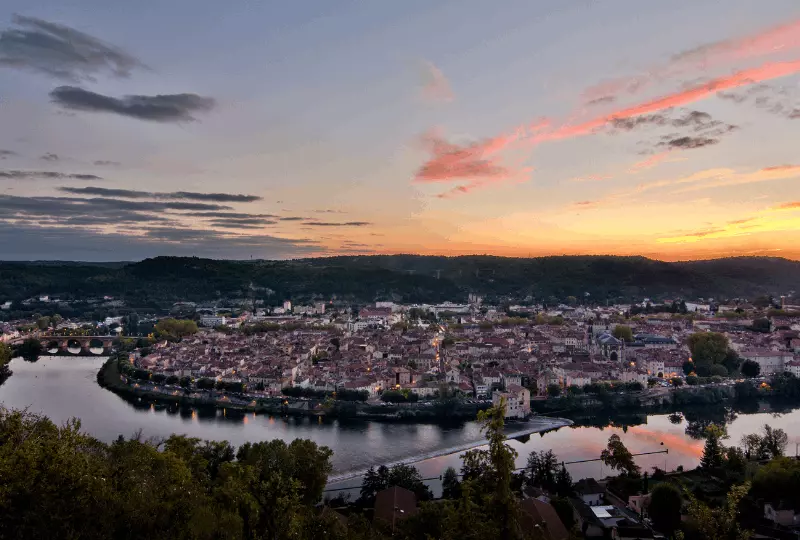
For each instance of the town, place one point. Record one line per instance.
(408, 353)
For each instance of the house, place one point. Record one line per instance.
(394, 504)
(590, 492)
(518, 401)
(541, 516)
(770, 361)
(781, 516)
(792, 367)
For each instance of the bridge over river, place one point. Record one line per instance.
(75, 345)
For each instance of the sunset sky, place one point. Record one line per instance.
(290, 129)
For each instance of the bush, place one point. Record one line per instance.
(718, 370)
(692, 380)
(665, 508)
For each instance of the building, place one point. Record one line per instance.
(518, 401)
(212, 321)
(781, 516)
(540, 515)
(590, 492)
(770, 361)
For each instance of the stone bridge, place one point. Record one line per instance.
(77, 345)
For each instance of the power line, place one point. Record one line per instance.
(665, 451)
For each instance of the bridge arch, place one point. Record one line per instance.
(52, 347)
(74, 346)
(96, 346)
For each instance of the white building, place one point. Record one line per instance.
(212, 321)
(518, 401)
(792, 367)
(287, 305)
(769, 361)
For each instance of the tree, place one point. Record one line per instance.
(451, 487)
(713, 450)
(718, 370)
(565, 511)
(774, 442)
(751, 369)
(553, 390)
(719, 522)
(175, 329)
(623, 332)
(541, 470)
(563, 482)
(688, 367)
(708, 348)
(665, 508)
(778, 482)
(618, 457)
(43, 323)
(30, 350)
(5, 358)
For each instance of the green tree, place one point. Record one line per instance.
(778, 482)
(713, 451)
(30, 350)
(665, 508)
(719, 522)
(553, 390)
(175, 329)
(623, 332)
(708, 348)
(774, 441)
(563, 482)
(565, 511)
(541, 471)
(5, 358)
(451, 487)
(751, 369)
(618, 457)
(43, 323)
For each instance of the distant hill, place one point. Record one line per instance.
(406, 278)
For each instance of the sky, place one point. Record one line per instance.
(275, 130)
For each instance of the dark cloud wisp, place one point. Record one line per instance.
(159, 108)
(342, 224)
(45, 175)
(688, 143)
(175, 195)
(60, 51)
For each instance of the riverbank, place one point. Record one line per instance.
(446, 412)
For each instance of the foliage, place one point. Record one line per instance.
(30, 350)
(779, 482)
(708, 348)
(751, 369)
(553, 390)
(541, 470)
(175, 329)
(57, 482)
(771, 444)
(5, 357)
(719, 522)
(665, 508)
(451, 487)
(713, 456)
(623, 332)
(403, 396)
(618, 457)
(565, 511)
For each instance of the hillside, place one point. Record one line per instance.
(408, 278)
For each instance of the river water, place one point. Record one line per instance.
(66, 387)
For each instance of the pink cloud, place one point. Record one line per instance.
(648, 163)
(436, 86)
(776, 39)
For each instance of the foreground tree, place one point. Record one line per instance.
(30, 350)
(451, 487)
(713, 451)
(618, 457)
(665, 508)
(719, 522)
(750, 369)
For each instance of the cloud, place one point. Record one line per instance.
(436, 87)
(176, 195)
(764, 223)
(30, 242)
(61, 52)
(293, 218)
(769, 41)
(159, 108)
(237, 224)
(773, 100)
(686, 143)
(342, 224)
(648, 163)
(49, 157)
(794, 205)
(603, 100)
(7, 153)
(46, 175)
(107, 163)
(226, 215)
(591, 178)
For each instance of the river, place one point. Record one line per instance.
(66, 387)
